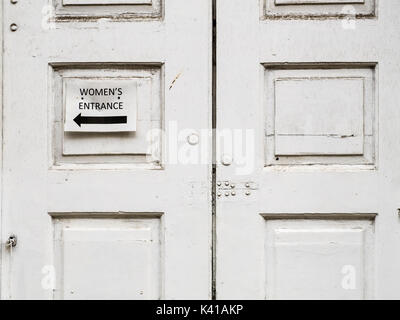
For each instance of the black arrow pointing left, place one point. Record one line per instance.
(79, 120)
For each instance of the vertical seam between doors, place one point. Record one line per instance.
(214, 148)
(1, 144)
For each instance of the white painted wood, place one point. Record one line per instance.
(310, 209)
(297, 2)
(310, 259)
(1, 150)
(309, 116)
(108, 258)
(318, 8)
(118, 9)
(114, 195)
(120, 145)
(304, 115)
(103, 2)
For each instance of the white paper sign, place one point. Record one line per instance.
(100, 105)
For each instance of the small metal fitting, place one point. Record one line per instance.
(13, 27)
(11, 241)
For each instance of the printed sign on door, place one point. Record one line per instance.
(100, 105)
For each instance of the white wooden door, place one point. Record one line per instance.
(106, 214)
(308, 195)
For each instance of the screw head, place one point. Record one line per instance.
(226, 160)
(193, 139)
(233, 186)
(227, 194)
(247, 185)
(219, 183)
(233, 193)
(13, 27)
(248, 193)
(227, 183)
(14, 1)
(219, 194)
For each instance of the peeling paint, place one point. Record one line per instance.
(174, 81)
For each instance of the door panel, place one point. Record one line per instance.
(313, 106)
(125, 254)
(317, 8)
(319, 257)
(105, 214)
